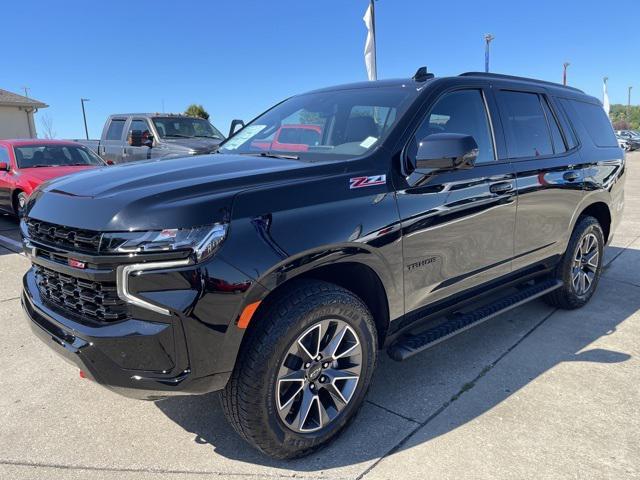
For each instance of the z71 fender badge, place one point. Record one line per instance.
(360, 182)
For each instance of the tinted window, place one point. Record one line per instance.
(4, 155)
(525, 125)
(464, 112)
(556, 135)
(596, 122)
(115, 130)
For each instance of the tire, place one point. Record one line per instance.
(572, 294)
(19, 204)
(256, 392)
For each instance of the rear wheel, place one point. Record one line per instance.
(580, 267)
(303, 371)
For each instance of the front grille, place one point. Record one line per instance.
(63, 237)
(98, 301)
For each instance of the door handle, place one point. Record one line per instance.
(570, 176)
(501, 187)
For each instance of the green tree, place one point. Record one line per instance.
(195, 110)
(622, 116)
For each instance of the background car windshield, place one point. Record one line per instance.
(54, 156)
(339, 122)
(179, 127)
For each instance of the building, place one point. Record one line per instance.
(16, 115)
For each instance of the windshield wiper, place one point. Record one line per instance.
(177, 135)
(41, 166)
(207, 136)
(268, 155)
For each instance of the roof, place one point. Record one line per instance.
(408, 82)
(154, 114)
(17, 142)
(14, 100)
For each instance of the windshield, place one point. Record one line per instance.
(185, 127)
(54, 156)
(339, 122)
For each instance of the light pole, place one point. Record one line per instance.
(84, 116)
(564, 72)
(487, 38)
(629, 104)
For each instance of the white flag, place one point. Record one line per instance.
(370, 45)
(605, 98)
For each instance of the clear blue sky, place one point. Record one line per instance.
(239, 57)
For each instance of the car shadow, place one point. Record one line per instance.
(202, 415)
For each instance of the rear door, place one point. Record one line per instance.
(457, 225)
(549, 172)
(132, 154)
(112, 142)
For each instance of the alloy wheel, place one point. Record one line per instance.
(318, 376)
(585, 264)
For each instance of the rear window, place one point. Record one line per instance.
(115, 130)
(595, 121)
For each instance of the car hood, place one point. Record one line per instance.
(199, 145)
(43, 174)
(183, 192)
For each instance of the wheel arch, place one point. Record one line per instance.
(359, 278)
(601, 212)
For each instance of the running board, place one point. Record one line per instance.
(409, 345)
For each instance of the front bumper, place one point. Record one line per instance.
(151, 355)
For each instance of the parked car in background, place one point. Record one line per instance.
(423, 207)
(294, 138)
(25, 164)
(131, 137)
(628, 140)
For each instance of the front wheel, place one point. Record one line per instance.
(303, 371)
(580, 267)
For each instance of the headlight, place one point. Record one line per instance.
(203, 241)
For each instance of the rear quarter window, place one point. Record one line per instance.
(595, 121)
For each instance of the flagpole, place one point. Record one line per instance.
(375, 46)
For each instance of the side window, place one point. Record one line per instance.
(595, 121)
(462, 111)
(556, 135)
(525, 123)
(139, 124)
(4, 155)
(115, 129)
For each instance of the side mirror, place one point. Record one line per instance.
(136, 138)
(235, 123)
(4, 167)
(446, 151)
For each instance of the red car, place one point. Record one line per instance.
(292, 138)
(25, 164)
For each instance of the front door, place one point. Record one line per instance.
(6, 180)
(133, 154)
(457, 225)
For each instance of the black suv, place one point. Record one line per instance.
(392, 214)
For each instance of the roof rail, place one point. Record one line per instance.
(513, 77)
